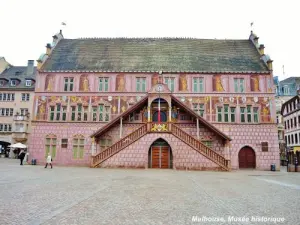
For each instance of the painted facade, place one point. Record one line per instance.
(127, 117)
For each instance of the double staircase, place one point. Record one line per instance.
(173, 129)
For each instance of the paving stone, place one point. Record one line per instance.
(76, 195)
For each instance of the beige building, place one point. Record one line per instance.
(16, 102)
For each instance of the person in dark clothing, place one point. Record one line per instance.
(21, 156)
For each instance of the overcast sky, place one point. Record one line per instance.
(27, 25)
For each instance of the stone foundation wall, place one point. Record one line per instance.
(136, 155)
(64, 156)
(252, 136)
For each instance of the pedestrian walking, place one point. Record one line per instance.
(48, 161)
(21, 156)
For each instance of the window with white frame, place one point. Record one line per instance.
(5, 127)
(58, 112)
(79, 113)
(169, 81)
(6, 111)
(7, 97)
(13, 83)
(19, 127)
(226, 114)
(232, 114)
(255, 115)
(68, 83)
(24, 111)
(199, 108)
(103, 83)
(28, 83)
(25, 97)
(198, 84)
(239, 85)
(78, 147)
(220, 114)
(50, 145)
(101, 113)
(249, 114)
(140, 84)
(286, 90)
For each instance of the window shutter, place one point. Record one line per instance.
(264, 146)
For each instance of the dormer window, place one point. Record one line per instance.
(28, 83)
(2, 82)
(13, 83)
(286, 90)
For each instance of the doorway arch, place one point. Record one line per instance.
(160, 155)
(247, 158)
(159, 110)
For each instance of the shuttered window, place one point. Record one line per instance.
(264, 146)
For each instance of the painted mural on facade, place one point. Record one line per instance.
(128, 119)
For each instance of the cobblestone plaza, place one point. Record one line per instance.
(77, 195)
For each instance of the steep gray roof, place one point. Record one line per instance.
(155, 54)
(290, 80)
(19, 73)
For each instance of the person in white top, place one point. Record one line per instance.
(48, 161)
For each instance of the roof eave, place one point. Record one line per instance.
(154, 71)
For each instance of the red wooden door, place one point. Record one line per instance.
(164, 157)
(160, 157)
(155, 157)
(247, 158)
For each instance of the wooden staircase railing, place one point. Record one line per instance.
(201, 148)
(118, 146)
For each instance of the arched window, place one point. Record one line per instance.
(51, 145)
(78, 146)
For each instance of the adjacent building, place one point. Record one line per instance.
(284, 90)
(291, 118)
(180, 103)
(16, 102)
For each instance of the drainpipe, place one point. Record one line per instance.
(197, 128)
(121, 126)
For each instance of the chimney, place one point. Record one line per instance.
(269, 63)
(30, 67)
(48, 49)
(262, 49)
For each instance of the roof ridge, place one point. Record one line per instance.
(157, 38)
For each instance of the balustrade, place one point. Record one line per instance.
(119, 145)
(200, 147)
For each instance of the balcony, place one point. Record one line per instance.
(19, 136)
(21, 118)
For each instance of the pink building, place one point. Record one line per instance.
(155, 103)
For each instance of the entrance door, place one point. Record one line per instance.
(160, 157)
(247, 158)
